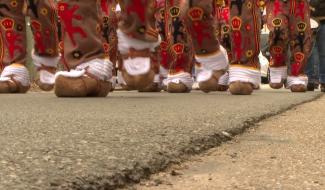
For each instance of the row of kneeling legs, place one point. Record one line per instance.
(82, 48)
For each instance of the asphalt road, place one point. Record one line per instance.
(283, 152)
(92, 143)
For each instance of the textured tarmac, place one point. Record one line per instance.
(105, 143)
(283, 152)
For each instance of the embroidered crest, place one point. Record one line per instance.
(8, 24)
(226, 29)
(277, 49)
(178, 48)
(195, 13)
(301, 26)
(299, 57)
(249, 53)
(164, 45)
(106, 47)
(249, 5)
(162, 13)
(174, 11)
(277, 22)
(236, 23)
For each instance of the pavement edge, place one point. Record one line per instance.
(140, 171)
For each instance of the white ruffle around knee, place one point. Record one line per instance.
(137, 65)
(297, 80)
(16, 71)
(39, 61)
(204, 75)
(224, 79)
(208, 64)
(278, 74)
(125, 43)
(217, 61)
(100, 68)
(245, 75)
(182, 77)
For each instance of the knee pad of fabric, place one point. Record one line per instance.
(210, 63)
(137, 66)
(216, 61)
(296, 80)
(125, 43)
(183, 77)
(278, 74)
(16, 72)
(98, 68)
(46, 77)
(245, 75)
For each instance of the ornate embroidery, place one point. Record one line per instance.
(77, 54)
(164, 54)
(237, 36)
(278, 57)
(277, 7)
(67, 15)
(249, 53)
(104, 6)
(300, 10)
(174, 11)
(296, 67)
(38, 38)
(198, 27)
(301, 35)
(11, 37)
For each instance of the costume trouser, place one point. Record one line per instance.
(84, 49)
(109, 32)
(137, 43)
(81, 32)
(289, 25)
(188, 31)
(109, 28)
(223, 24)
(13, 40)
(245, 41)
